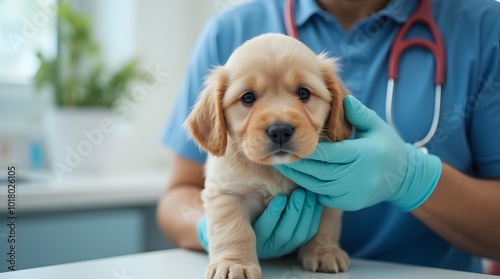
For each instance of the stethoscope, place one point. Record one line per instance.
(423, 15)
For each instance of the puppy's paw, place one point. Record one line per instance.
(324, 258)
(227, 269)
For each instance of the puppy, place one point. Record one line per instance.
(270, 103)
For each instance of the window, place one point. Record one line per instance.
(26, 27)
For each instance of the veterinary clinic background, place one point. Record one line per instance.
(89, 165)
(96, 162)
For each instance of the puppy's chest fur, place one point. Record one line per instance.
(253, 183)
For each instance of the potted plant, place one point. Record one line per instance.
(83, 92)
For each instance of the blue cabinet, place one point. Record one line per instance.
(50, 238)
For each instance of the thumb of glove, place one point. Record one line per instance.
(358, 114)
(201, 232)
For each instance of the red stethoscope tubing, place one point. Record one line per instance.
(291, 27)
(423, 16)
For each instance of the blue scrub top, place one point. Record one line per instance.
(468, 135)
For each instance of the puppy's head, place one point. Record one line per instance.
(274, 99)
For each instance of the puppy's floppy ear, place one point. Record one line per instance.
(336, 127)
(206, 122)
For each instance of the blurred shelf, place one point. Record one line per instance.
(41, 192)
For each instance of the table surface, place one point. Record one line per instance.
(179, 263)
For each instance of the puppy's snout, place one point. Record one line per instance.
(280, 132)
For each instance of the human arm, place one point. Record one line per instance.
(465, 211)
(179, 208)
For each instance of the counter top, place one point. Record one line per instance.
(179, 263)
(79, 192)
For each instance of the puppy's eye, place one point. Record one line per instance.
(248, 98)
(303, 94)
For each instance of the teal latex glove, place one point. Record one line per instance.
(285, 225)
(374, 167)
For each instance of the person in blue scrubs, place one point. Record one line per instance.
(457, 219)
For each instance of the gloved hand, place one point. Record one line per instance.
(285, 225)
(377, 166)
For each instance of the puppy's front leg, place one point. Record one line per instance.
(231, 238)
(322, 252)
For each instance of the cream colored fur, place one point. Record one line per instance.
(240, 180)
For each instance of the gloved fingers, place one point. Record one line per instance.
(309, 181)
(290, 218)
(266, 223)
(333, 202)
(341, 152)
(297, 176)
(201, 232)
(315, 221)
(359, 115)
(318, 170)
(308, 221)
(348, 202)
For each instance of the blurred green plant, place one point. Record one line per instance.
(78, 76)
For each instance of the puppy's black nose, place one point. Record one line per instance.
(280, 132)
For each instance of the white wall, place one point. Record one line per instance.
(167, 30)
(163, 35)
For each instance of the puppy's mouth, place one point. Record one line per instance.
(280, 150)
(281, 154)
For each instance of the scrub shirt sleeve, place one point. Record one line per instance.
(204, 57)
(485, 103)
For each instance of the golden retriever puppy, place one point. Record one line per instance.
(270, 103)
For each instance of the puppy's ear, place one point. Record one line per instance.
(206, 122)
(336, 127)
